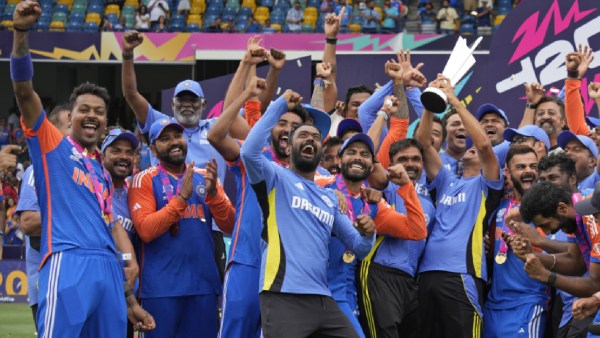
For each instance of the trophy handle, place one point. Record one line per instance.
(434, 100)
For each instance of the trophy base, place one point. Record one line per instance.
(434, 100)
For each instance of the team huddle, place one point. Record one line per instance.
(342, 225)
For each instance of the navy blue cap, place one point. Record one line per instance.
(567, 136)
(488, 108)
(592, 122)
(321, 119)
(118, 134)
(468, 142)
(360, 137)
(348, 124)
(528, 131)
(189, 86)
(157, 128)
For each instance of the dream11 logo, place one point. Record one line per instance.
(532, 44)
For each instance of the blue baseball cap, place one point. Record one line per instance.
(528, 131)
(119, 134)
(348, 124)
(189, 86)
(360, 137)
(157, 128)
(468, 142)
(567, 136)
(321, 119)
(488, 108)
(592, 122)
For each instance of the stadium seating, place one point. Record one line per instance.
(90, 27)
(57, 26)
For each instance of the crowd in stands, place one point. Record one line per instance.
(266, 16)
(343, 224)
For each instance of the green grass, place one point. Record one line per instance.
(16, 320)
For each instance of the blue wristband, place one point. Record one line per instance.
(21, 68)
(319, 82)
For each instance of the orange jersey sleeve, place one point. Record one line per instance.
(252, 112)
(221, 209)
(574, 110)
(150, 223)
(48, 136)
(410, 226)
(398, 131)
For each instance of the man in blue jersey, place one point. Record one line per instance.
(453, 268)
(29, 212)
(66, 168)
(389, 303)
(516, 304)
(298, 220)
(584, 152)
(172, 207)
(456, 137)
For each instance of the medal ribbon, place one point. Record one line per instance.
(166, 182)
(341, 185)
(503, 247)
(104, 203)
(580, 233)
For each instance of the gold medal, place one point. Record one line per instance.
(348, 257)
(501, 258)
(106, 218)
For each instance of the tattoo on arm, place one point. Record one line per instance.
(317, 100)
(400, 94)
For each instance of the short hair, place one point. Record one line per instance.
(293, 131)
(54, 113)
(555, 100)
(543, 199)
(518, 149)
(447, 116)
(301, 112)
(438, 120)
(357, 90)
(89, 88)
(565, 163)
(332, 141)
(405, 144)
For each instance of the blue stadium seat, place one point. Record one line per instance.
(61, 8)
(95, 8)
(226, 17)
(192, 27)
(90, 27)
(43, 25)
(213, 10)
(242, 17)
(230, 11)
(178, 17)
(209, 19)
(240, 27)
(176, 26)
(467, 28)
(74, 26)
(245, 10)
(76, 17)
(112, 18)
(314, 3)
(268, 3)
(278, 19)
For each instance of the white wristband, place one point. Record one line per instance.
(383, 114)
(127, 256)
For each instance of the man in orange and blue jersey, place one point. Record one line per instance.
(172, 207)
(88, 300)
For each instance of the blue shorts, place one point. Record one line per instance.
(241, 307)
(81, 295)
(185, 316)
(350, 311)
(527, 320)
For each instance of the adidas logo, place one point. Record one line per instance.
(521, 330)
(299, 186)
(136, 206)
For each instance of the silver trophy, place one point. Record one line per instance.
(460, 62)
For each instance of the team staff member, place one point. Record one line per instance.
(73, 164)
(298, 219)
(172, 206)
(453, 268)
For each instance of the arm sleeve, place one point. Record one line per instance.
(367, 112)
(257, 166)
(252, 112)
(44, 133)
(345, 231)
(574, 108)
(398, 131)
(150, 223)
(501, 150)
(221, 209)
(410, 226)
(151, 117)
(414, 97)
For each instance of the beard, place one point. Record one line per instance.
(188, 120)
(281, 152)
(174, 160)
(567, 224)
(518, 186)
(305, 165)
(355, 177)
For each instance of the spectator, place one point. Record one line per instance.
(391, 15)
(4, 133)
(142, 19)
(183, 7)
(346, 18)
(12, 234)
(484, 15)
(120, 26)
(446, 17)
(267, 28)
(157, 9)
(294, 18)
(13, 119)
(254, 26)
(10, 207)
(326, 7)
(10, 188)
(105, 25)
(228, 26)
(215, 26)
(428, 16)
(370, 18)
(161, 26)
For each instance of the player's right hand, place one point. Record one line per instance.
(132, 39)
(8, 159)
(187, 183)
(26, 13)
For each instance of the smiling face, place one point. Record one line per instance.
(88, 120)
(188, 109)
(306, 148)
(412, 160)
(562, 179)
(584, 160)
(456, 134)
(357, 162)
(549, 118)
(354, 102)
(118, 159)
(170, 146)
(522, 171)
(280, 134)
(331, 159)
(494, 126)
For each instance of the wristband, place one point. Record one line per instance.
(573, 74)
(551, 279)
(331, 41)
(597, 295)
(319, 82)
(554, 262)
(383, 114)
(183, 198)
(127, 56)
(530, 105)
(21, 68)
(128, 293)
(22, 30)
(127, 256)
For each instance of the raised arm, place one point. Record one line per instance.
(331, 28)
(574, 110)
(534, 93)
(218, 133)
(138, 103)
(21, 68)
(218, 203)
(432, 162)
(276, 60)
(594, 93)
(323, 71)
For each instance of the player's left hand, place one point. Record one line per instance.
(365, 225)
(210, 178)
(535, 269)
(342, 202)
(132, 271)
(371, 195)
(140, 318)
(276, 58)
(585, 307)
